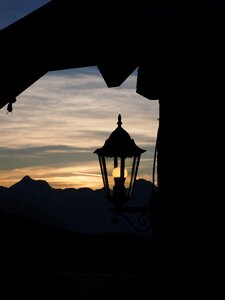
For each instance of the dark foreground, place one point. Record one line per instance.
(41, 262)
(81, 286)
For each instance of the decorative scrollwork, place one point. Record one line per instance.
(142, 223)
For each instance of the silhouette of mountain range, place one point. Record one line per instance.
(82, 210)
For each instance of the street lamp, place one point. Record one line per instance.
(119, 160)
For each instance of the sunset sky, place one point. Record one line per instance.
(59, 121)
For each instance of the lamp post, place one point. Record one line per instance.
(119, 160)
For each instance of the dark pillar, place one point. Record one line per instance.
(188, 158)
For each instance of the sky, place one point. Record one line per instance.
(59, 121)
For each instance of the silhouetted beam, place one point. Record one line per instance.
(60, 36)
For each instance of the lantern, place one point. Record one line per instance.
(119, 161)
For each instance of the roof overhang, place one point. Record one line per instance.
(117, 39)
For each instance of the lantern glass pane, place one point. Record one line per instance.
(104, 174)
(134, 174)
(116, 167)
(128, 166)
(109, 168)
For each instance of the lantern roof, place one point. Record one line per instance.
(119, 144)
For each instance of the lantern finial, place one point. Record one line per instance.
(119, 120)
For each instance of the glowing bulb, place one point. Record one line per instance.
(116, 172)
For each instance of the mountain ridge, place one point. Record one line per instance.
(28, 181)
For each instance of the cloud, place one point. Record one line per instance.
(43, 156)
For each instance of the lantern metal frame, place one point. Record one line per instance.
(115, 153)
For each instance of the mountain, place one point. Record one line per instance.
(28, 183)
(11, 200)
(82, 210)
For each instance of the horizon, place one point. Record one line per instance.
(84, 187)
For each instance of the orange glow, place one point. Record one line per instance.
(116, 172)
(61, 177)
